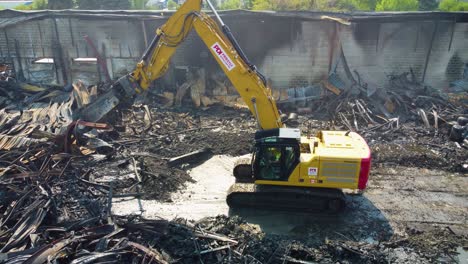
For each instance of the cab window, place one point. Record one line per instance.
(276, 162)
(270, 163)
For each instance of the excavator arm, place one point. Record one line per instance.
(155, 60)
(244, 76)
(250, 84)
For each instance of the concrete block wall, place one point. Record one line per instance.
(290, 51)
(449, 54)
(304, 60)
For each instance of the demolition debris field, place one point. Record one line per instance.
(58, 185)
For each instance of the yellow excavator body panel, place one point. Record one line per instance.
(333, 159)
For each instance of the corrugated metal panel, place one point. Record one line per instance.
(12, 142)
(7, 21)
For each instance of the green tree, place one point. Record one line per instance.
(363, 5)
(139, 4)
(39, 4)
(231, 4)
(248, 4)
(23, 7)
(36, 5)
(427, 5)
(397, 5)
(340, 5)
(453, 5)
(172, 5)
(261, 5)
(60, 4)
(282, 4)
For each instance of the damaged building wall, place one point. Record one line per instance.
(118, 42)
(449, 53)
(293, 50)
(24, 44)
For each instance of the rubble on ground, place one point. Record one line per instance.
(407, 123)
(57, 184)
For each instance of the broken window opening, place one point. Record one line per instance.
(44, 61)
(85, 60)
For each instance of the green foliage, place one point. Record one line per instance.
(36, 5)
(248, 4)
(261, 5)
(231, 4)
(340, 5)
(427, 5)
(453, 5)
(325, 5)
(39, 4)
(139, 4)
(172, 5)
(322, 5)
(282, 4)
(397, 5)
(355, 5)
(24, 7)
(364, 5)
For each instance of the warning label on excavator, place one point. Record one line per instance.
(222, 55)
(312, 171)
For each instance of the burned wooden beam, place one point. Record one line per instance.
(191, 158)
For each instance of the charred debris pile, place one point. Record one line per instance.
(405, 122)
(59, 174)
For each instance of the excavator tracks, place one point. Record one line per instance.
(242, 195)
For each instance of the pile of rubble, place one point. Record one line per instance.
(152, 145)
(405, 122)
(358, 106)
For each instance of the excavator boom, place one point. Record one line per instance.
(247, 81)
(244, 76)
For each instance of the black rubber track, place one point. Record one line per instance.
(249, 195)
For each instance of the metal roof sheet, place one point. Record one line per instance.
(10, 17)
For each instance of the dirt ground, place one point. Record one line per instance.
(416, 196)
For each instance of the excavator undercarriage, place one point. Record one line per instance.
(246, 194)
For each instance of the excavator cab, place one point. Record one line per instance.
(275, 158)
(276, 154)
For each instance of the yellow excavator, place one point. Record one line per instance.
(287, 170)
